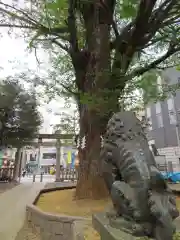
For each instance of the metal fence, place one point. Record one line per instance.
(162, 167)
(166, 167)
(6, 174)
(68, 174)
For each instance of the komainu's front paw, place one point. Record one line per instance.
(111, 212)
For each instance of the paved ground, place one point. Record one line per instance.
(13, 206)
(6, 186)
(29, 179)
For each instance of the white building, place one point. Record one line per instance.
(45, 157)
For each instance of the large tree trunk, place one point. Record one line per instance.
(90, 183)
(94, 115)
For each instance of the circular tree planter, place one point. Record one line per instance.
(54, 226)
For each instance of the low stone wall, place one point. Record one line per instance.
(52, 226)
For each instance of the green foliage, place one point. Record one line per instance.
(55, 26)
(127, 9)
(151, 90)
(148, 84)
(68, 123)
(178, 67)
(19, 116)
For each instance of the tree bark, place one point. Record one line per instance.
(94, 116)
(17, 164)
(90, 183)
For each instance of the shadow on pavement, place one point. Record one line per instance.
(4, 186)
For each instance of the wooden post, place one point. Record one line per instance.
(20, 166)
(58, 159)
(17, 165)
(34, 177)
(41, 177)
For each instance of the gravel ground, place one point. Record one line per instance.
(27, 233)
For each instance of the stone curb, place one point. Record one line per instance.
(176, 192)
(174, 188)
(53, 226)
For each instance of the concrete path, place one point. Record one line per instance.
(46, 179)
(13, 207)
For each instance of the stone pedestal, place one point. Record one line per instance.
(102, 225)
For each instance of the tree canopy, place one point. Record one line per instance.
(142, 36)
(19, 115)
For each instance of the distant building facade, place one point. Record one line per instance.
(164, 117)
(46, 156)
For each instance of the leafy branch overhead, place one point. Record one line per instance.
(144, 35)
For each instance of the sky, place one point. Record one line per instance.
(14, 58)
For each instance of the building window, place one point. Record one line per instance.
(148, 112)
(178, 80)
(49, 155)
(150, 142)
(171, 110)
(170, 103)
(160, 84)
(159, 115)
(172, 117)
(159, 120)
(158, 107)
(32, 157)
(149, 119)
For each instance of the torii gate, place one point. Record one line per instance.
(58, 145)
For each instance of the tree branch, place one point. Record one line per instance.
(72, 25)
(20, 11)
(136, 35)
(114, 26)
(15, 16)
(159, 16)
(29, 22)
(18, 26)
(69, 90)
(142, 20)
(154, 64)
(65, 48)
(144, 27)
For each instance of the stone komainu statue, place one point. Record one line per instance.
(139, 193)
